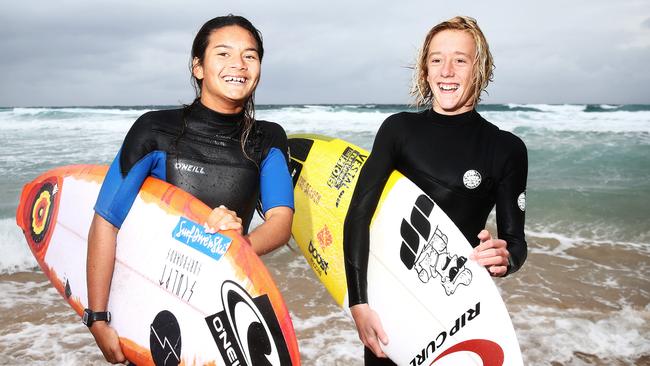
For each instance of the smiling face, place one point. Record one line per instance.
(230, 69)
(450, 71)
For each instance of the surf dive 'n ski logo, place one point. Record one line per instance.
(431, 260)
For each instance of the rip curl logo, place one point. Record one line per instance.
(521, 201)
(472, 179)
(432, 259)
(247, 332)
(491, 353)
(488, 351)
(192, 234)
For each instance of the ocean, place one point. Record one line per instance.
(582, 297)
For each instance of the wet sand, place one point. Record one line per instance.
(585, 304)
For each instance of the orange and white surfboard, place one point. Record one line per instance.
(179, 296)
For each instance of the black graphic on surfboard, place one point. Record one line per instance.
(432, 259)
(165, 340)
(251, 335)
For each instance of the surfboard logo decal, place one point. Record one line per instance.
(180, 274)
(247, 332)
(345, 171)
(490, 352)
(346, 168)
(39, 213)
(432, 259)
(165, 339)
(472, 179)
(192, 234)
(324, 237)
(309, 190)
(436, 343)
(318, 262)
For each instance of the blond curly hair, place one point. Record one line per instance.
(483, 63)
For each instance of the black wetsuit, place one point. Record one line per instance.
(199, 150)
(463, 162)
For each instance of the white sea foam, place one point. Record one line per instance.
(75, 110)
(333, 340)
(16, 256)
(549, 334)
(49, 344)
(567, 242)
(326, 120)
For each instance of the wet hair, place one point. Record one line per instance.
(483, 63)
(199, 46)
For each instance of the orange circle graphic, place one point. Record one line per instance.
(40, 212)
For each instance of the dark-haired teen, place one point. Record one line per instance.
(233, 159)
(465, 163)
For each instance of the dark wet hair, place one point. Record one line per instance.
(199, 46)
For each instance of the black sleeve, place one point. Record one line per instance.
(137, 143)
(274, 137)
(511, 201)
(372, 178)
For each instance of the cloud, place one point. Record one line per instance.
(646, 23)
(72, 52)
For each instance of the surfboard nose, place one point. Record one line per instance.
(21, 206)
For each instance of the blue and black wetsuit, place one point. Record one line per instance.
(463, 162)
(199, 150)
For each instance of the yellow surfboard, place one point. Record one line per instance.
(437, 307)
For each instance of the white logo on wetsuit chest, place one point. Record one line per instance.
(189, 168)
(471, 179)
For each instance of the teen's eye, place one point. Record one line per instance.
(250, 57)
(223, 54)
(461, 61)
(435, 61)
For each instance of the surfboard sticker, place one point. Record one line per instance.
(243, 319)
(437, 306)
(431, 260)
(40, 215)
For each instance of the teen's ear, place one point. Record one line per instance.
(197, 68)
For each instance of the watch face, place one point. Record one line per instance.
(86, 317)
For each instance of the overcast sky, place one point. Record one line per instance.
(125, 52)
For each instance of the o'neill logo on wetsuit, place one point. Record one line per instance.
(247, 332)
(189, 168)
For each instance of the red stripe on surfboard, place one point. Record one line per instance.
(490, 352)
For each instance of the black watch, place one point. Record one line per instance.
(89, 317)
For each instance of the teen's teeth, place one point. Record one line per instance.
(234, 79)
(449, 86)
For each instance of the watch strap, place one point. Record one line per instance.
(89, 317)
